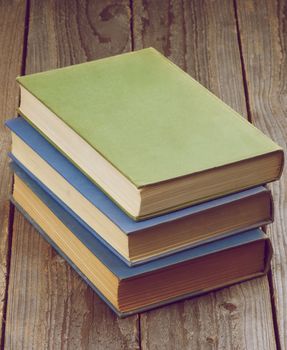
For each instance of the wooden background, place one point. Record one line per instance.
(235, 48)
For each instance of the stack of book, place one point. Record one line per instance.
(144, 181)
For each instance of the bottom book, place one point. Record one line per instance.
(129, 290)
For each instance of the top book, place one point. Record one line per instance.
(149, 135)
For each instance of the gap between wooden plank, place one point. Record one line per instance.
(139, 332)
(274, 314)
(132, 24)
(263, 35)
(270, 278)
(25, 38)
(249, 116)
(8, 260)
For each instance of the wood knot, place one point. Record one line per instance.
(211, 340)
(229, 306)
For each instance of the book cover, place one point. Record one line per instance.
(147, 117)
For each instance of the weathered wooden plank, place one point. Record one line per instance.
(264, 47)
(12, 20)
(232, 318)
(49, 306)
(201, 37)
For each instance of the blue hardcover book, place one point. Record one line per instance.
(128, 290)
(134, 242)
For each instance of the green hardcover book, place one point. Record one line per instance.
(149, 135)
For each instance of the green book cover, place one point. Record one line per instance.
(147, 117)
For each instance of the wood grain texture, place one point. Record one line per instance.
(49, 306)
(201, 37)
(263, 35)
(11, 47)
(231, 318)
